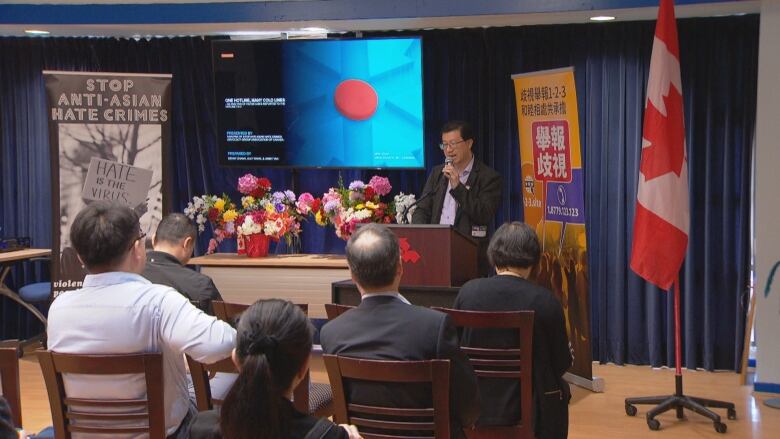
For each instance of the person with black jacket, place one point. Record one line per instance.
(173, 243)
(273, 347)
(385, 326)
(514, 251)
(462, 192)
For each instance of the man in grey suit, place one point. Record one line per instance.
(385, 326)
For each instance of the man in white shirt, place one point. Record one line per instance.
(117, 311)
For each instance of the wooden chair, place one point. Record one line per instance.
(514, 363)
(308, 397)
(333, 310)
(393, 419)
(65, 409)
(9, 379)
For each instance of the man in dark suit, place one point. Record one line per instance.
(386, 327)
(463, 192)
(173, 244)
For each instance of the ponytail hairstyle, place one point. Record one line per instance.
(273, 341)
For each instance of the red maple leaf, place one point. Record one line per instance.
(407, 254)
(666, 135)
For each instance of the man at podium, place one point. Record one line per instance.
(462, 192)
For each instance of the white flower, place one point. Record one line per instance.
(362, 214)
(402, 203)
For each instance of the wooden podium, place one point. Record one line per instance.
(435, 255)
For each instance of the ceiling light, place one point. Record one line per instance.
(314, 30)
(602, 18)
(36, 32)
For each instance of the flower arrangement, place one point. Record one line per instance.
(346, 207)
(275, 215)
(219, 211)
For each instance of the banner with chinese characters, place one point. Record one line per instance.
(109, 136)
(553, 197)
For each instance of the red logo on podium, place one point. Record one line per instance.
(407, 253)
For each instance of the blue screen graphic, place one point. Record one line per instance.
(320, 103)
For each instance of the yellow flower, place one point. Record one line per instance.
(319, 218)
(371, 205)
(219, 204)
(247, 201)
(229, 215)
(270, 208)
(359, 206)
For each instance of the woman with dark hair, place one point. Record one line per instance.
(273, 346)
(514, 251)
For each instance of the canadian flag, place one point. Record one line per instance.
(662, 218)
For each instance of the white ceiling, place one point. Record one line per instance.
(260, 30)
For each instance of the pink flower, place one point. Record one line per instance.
(304, 203)
(247, 184)
(381, 185)
(212, 246)
(332, 195)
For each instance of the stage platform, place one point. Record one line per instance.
(300, 278)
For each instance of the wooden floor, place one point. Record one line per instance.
(593, 415)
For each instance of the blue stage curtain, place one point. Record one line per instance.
(467, 76)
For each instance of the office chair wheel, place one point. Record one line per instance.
(719, 427)
(630, 410)
(654, 424)
(732, 414)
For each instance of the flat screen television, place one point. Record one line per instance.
(337, 103)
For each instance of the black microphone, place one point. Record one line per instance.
(447, 161)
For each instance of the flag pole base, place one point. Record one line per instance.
(679, 402)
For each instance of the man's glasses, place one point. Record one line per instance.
(141, 236)
(453, 144)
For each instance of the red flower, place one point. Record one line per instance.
(388, 220)
(368, 193)
(213, 214)
(264, 183)
(315, 205)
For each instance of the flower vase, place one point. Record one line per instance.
(256, 245)
(240, 244)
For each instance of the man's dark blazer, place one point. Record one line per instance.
(385, 328)
(551, 354)
(163, 268)
(478, 200)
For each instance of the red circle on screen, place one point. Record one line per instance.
(356, 99)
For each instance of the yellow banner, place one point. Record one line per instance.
(553, 196)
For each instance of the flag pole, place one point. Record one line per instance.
(679, 401)
(658, 259)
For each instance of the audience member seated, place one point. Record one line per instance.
(385, 326)
(7, 430)
(272, 352)
(514, 251)
(117, 311)
(173, 245)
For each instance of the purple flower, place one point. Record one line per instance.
(356, 185)
(279, 207)
(381, 185)
(332, 205)
(278, 197)
(290, 195)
